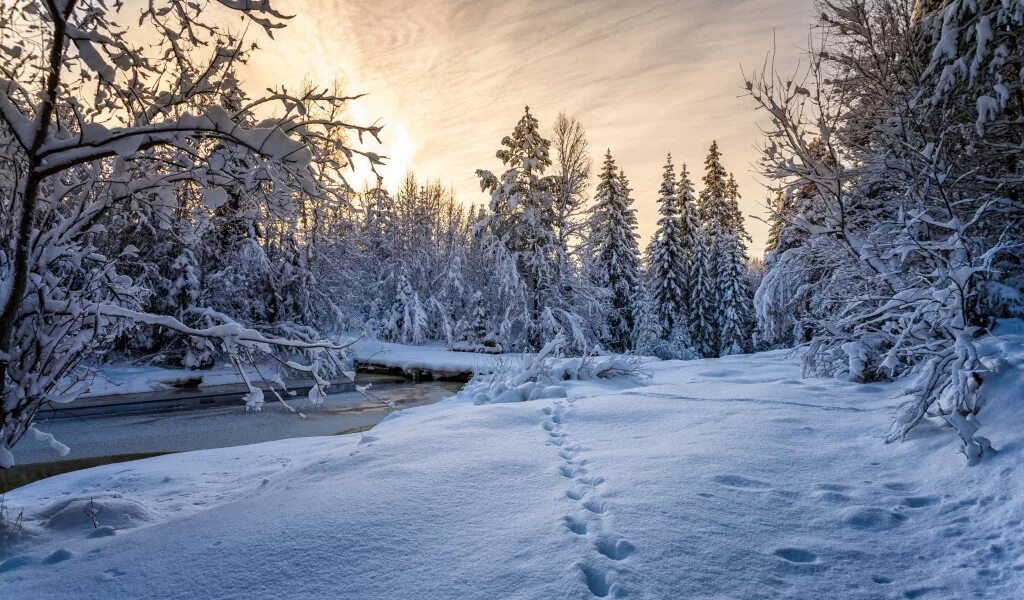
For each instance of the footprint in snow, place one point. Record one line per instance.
(614, 548)
(15, 562)
(576, 493)
(740, 482)
(873, 519)
(922, 592)
(569, 471)
(600, 581)
(796, 555)
(575, 525)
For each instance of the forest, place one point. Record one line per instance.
(154, 211)
(564, 382)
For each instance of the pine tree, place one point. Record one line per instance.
(714, 206)
(735, 311)
(614, 260)
(647, 337)
(692, 232)
(703, 310)
(477, 336)
(734, 222)
(522, 218)
(668, 258)
(397, 326)
(726, 289)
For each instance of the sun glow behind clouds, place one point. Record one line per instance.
(449, 78)
(397, 146)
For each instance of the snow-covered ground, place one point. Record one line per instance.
(121, 379)
(432, 358)
(730, 478)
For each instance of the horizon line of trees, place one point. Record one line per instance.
(543, 258)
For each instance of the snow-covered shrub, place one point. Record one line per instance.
(897, 234)
(539, 376)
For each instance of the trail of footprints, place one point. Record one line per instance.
(590, 517)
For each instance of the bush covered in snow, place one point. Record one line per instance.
(897, 229)
(539, 376)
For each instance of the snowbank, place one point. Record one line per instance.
(729, 478)
(116, 379)
(433, 359)
(110, 380)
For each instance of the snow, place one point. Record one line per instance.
(431, 358)
(120, 379)
(725, 478)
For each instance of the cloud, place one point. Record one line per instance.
(449, 78)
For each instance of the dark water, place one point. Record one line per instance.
(103, 440)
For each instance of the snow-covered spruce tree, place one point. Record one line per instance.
(699, 307)
(647, 336)
(94, 125)
(736, 317)
(918, 185)
(725, 234)
(422, 233)
(522, 217)
(733, 292)
(713, 204)
(477, 335)
(703, 313)
(613, 259)
(669, 262)
(494, 272)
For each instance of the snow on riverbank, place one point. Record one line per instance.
(729, 478)
(431, 358)
(117, 379)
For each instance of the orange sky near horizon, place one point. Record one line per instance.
(449, 78)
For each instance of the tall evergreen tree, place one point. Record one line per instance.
(692, 233)
(727, 289)
(523, 216)
(703, 310)
(614, 261)
(734, 222)
(668, 258)
(714, 205)
(735, 320)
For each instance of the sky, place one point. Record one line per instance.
(449, 78)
